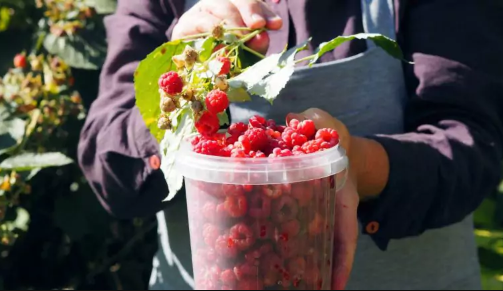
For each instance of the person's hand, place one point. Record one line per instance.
(346, 221)
(207, 14)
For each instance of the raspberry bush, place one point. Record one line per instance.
(53, 232)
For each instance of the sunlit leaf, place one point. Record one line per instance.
(30, 161)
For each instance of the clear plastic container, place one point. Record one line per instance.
(262, 224)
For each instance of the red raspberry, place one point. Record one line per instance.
(276, 143)
(271, 264)
(289, 249)
(208, 124)
(242, 236)
(239, 153)
(263, 230)
(236, 206)
(245, 271)
(253, 256)
(303, 193)
(171, 83)
(218, 47)
(210, 234)
(258, 138)
(272, 191)
(258, 122)
(225, 246)
(271, 124)
(329, 135)
(222, 213)
(209, 210)
(231, 140)
(279, 153)
(20, 61)
(305, 127)
(214, 273)
(273, 134)
(208, 147)
(314, 146)
(248, 188)
(226, 65)
(237, 129)
(260, 206)
(228, 278)
(285, 209)
(217, 101)
(257, 155)
(290, 229)
(281, 128)
(243, 143)
(297, 151)
(197, 139)
(233, 190)
(316, 225)
(293, 138)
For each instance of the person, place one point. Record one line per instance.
(424, 140)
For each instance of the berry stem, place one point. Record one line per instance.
(308, 58)
(253, 52)
(200, 35)
(239, 29)
(251, 35)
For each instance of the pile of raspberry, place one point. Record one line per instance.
(262, 138)
(262, 237)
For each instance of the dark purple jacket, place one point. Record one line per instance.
(440, 170)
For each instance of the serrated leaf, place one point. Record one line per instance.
(169, 147)
(30, 161)
(145, 82)
(254, 74)
(223, 118)
(103, 6)
(83, 50)
(205, 48)
(387, 44)
(11, 134)
(271, 86)
(238, 95)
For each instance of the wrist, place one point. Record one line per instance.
(368, 166)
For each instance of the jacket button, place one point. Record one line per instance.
(372, 228)
(155, 162)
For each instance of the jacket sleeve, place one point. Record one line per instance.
(117, 154)
(449, 159)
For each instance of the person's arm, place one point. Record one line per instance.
(116, 148)
(449, 161)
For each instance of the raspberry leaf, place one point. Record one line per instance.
(223, 118)
(387, 44)
(237, 95)
(148, 72)
(30, 161)
(11, 132)
(270, 87)
(205, 48)
(170, 146)
(254, 74)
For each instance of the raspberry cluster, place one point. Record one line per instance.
(266, 237)
(260, 138)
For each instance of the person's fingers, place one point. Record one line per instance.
(224, 10)
(195, 23)
(251, 13)
(274, 21)
(346, 235)
(257, 14)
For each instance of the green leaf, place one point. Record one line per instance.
(147, 92)
(103, 6)
(11, 133)
(223, 118)
(271, 86)
(386, 43)
(256, 73)
(205, 48)
(30, 161)
(169, 147)
(237, 95)
(22, 219)
(83, 50)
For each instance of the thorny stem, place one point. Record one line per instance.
(251, 35)
(194, 36)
